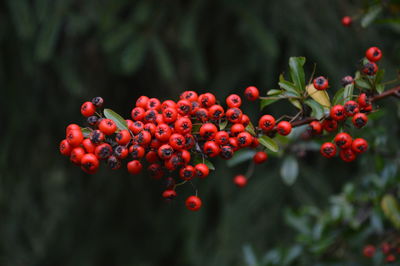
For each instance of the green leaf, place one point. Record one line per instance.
(296, 103)
(371, 15)
(240, 157)
(287, 86)
(269, 143)
(317, 109)
(250, 128)
(121, 123)
(265, 102)
(289, 170)
(379, 76)
(222, 124)
(297, 72)
(85, 131)
(274, 92)
(197, 160)
(338, 98)
(363, 84)
(391, 209)
(348, 92)
(380, 88)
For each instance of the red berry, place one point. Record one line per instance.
(351, 108)
(134, 167)
(189, 141)
(185, 156)
(75, 137)
(234, 115)
(373, 54)
(328, 150)
(233, 100)
(189, 95)
(343, 140)
(183, 126)
(315, 128)
(240, 181)
(245, 120)
(88, 109)
(184, 107)
(103, 151)
(168, 104)
(163, 132)
(89, 163)
(169, 194)
(123, 137)
(155, 170)
(321, 83)
(88, 145)
(187, 172)
(211, 148)
(369, 251)
(338, 112)
(207, 100)
(390, 258)
(177, 141)
(193, 203)
(216, 112)
(208, 131)
(346, 21)
(138, 113)
(236, 129)
(329, 124)
(113, 162)
(142, 101)
(71, 127)
(96, 136)
(244, 139)
(222, 137)
(202, 170)
(169, 114)
(143, 138)
(266, 122)
(386, 247)
(359, 120)
(260, 157)
(226, 152)
(154, 104)
(65, 148)
(76, 155)
(121, 152)
(251, 93)
(363, 100)
(347, 155)
(370, 69)
(284, 128)
(359, 145)
(165, 151)
(107, 126)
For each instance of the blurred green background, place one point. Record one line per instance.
(56, 54)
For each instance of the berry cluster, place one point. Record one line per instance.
(389, 249)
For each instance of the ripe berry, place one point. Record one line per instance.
(233, 142)
(96, 136)
(142, 101)
(315, 128)
(138, 113)
(151, 156)
(251, 93)
(234, 115)
(347, 80)
(184, 155)
(189, 141)
(328, 150)
(369, 251)
(346, 21)
(193, 203)
(187, 172)
(390, 258)
(260, 157)
(370, 69)
(208, 131)
(75, 137)
(170, 114)
(240, 180)
(76, 155)
(244, 139)
(338, 112)
(88, 109)
(89, 163)
(177, 141)
(284, 128)
(134, 167)
(216, 112)
(226, 152)
(221, 137)
(88, 145)
(92, 120)
(236, 129)
(211, 148)
(189, 95)
(329, 124)
(202, 114)
(65, 148)
(107, 126)
(168, 104)
(363, 100)
(266, 122)
(347, 155)
(359, 120)
(245, 120)
(321, 83)
(165, 151)
(183, 126)
(103, 151)
(184, 107)
(202, 170)
(359, 145)
(155, 170)
(71, 127)
(153, 103)
(351, 108)
(163, 132)
(343, 140)
(373, 54)
(143, 138)
(233, 100)
(137, 126)
(113, 162)
(98, 101)
(123, 137)
(169, 194)
(121, 152)
(150, 116)
(207, 100)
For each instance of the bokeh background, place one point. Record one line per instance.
(54, 55)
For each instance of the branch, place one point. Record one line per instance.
(392, 92)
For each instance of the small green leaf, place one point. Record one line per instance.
(391, 209)
(380, 88)
(371, 15)
(296, 103)
(269, 143)
(338, 98)
(274, 92)
(379, 76)
(197, 160)
(317, 109)
(121, 123)
(348, 92)
(265, 102)
(289, 170)
(223, 124)
(85, 131)
(363, 84)
(287, 86)
(250, 128)
(240, 157)
(297, 72)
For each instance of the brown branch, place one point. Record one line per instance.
(392, 92)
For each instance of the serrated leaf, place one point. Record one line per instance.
(119, 121)
(391, 209)
(317, 109)
(240, 157)
(85, 131)
(297, 72)
(320, 97)
(338, 98)
(250, 128)
(269, 143)
(198, 160)
(371, 15)
(289, 170)
(222, 124)
(363, 84)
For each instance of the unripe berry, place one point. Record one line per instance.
(347, 80)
